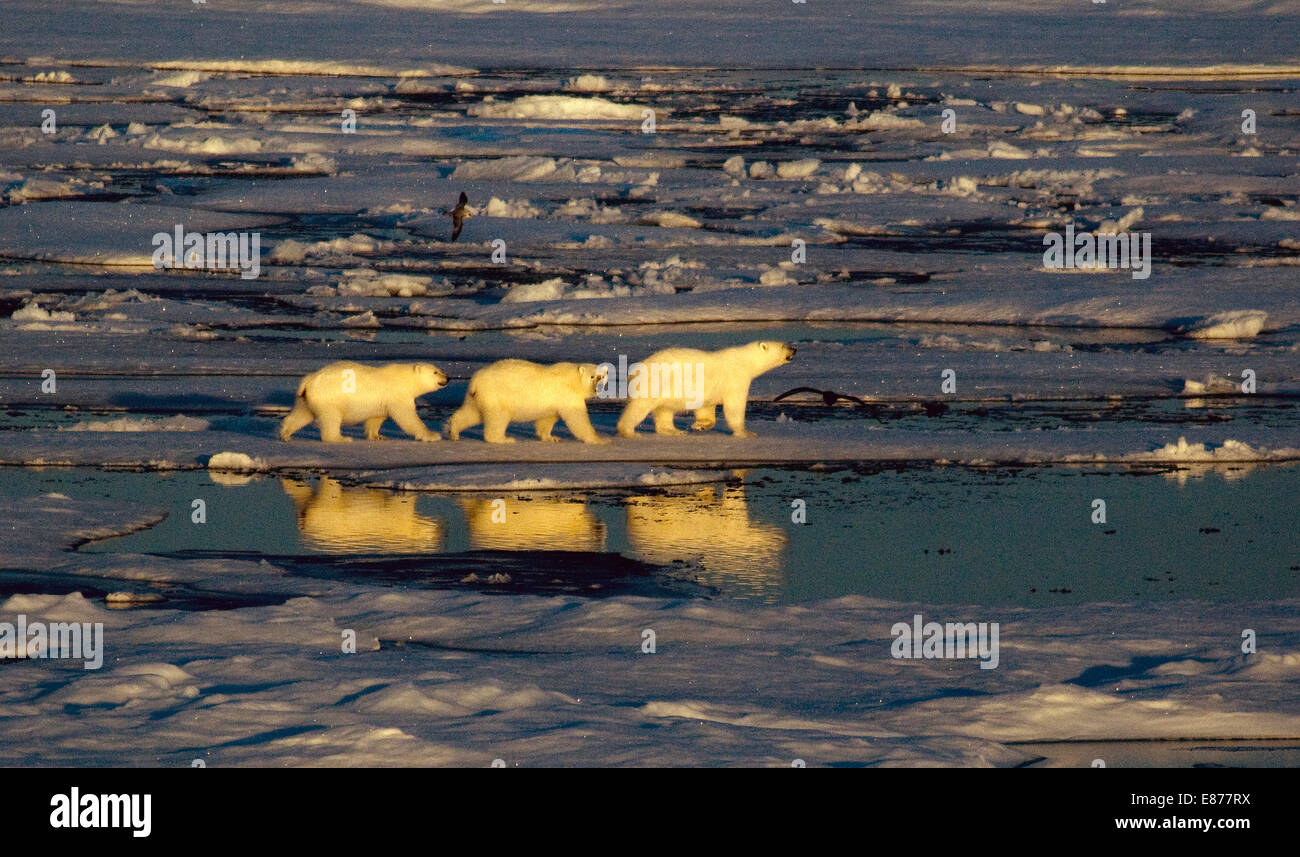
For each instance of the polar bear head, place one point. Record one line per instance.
(428, 377)
(772, 354)
(590, 377)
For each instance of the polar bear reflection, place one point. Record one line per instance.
(532, 522)
(334, 519)
(735, 553)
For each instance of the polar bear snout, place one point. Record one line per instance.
(786, 351)
(432, 376)
(593, 377)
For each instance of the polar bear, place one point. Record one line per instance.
(682, 379)
(346, 393)
(517, 390)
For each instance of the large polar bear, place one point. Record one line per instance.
(687, 379)
(346, 393)
(517, 390)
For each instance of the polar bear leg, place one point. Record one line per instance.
(733, 408)
(633, 414)
(300, 416)
(543, 428)
(372, 427)
(494, 428)
(580, 425)
(404, 415)
(466, 416)
(330, 422)
(664, 421)
(705, 418)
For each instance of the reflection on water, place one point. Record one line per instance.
(1227, 472)
(532, 522)
(941, 535)
(335, 519)
(709, 527)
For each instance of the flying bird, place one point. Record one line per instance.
(459, 215)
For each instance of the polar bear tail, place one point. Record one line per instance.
(300, 416)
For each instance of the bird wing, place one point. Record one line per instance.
(464, 200)
(797, 390)
(456, 222)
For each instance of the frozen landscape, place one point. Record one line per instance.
(872, 185)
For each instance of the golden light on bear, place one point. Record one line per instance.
(347, 393)
(687, 379)
(520, 391)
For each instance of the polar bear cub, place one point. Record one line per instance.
(347, 393)
(682, 379)
(517, 390)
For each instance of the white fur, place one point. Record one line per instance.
(723, 378)
(370, 394)
(517, 390)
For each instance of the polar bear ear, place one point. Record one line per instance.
(762, 345)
